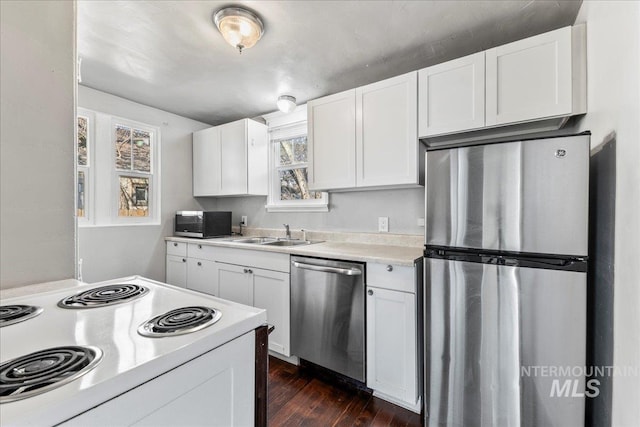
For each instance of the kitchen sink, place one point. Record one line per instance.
(289, 243)
(255, 240)
(270, 241)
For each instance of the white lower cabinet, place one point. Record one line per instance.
(271, 292)
(262, 289)
(235, 283)
(255, 278)
(201, 276)
(392, 335)
(177, 270)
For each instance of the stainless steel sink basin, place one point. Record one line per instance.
(270, 241)
(255, 240)
(289, 243)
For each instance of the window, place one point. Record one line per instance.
(289, 189)
(134, 152)
(133, 169)
(83, 165)
(118, 171)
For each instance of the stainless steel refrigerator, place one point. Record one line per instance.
(505, 283)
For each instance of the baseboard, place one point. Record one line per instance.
(294, 360)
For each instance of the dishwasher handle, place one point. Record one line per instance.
(326, 269)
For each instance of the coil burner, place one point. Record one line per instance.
(180, 321)
(104, 295)
(45, 370)
(10, 314)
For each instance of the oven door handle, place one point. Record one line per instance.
(326, 269)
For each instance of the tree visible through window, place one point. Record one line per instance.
(292, 170)
(133, 155)
(83, 166)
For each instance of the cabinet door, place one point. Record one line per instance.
(257, 158)
(233, 152)
(271, 292)
(391, 344)
(331, 141)
(176, 271)
(206, 162)
(235, 283)
(387, 132)
(529, 79)
(451, 96)
(201, 276)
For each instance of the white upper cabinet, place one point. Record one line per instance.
(387, 132)
(206, 162)
(452, 96)
(331, 141)
(365, 137)
(530, 78)
(231, 159)
(540, 80)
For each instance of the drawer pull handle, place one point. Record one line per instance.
(199, 263)
(248, 270)
(370, 292)
(199, 246)
(389, 267)
(175, 244)
(184, 260)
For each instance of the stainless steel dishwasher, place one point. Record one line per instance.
(327, 314)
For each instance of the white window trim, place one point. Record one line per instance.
(283, 126)
(103, 179)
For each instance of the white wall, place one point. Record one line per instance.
(117, 251)
(356, 211)
(37, 72)
(613, 55)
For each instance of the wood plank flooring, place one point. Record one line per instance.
(298, 398)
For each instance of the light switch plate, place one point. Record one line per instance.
(383, 224)
(243, 220)
(420, 222)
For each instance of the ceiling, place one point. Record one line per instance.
(169, 55)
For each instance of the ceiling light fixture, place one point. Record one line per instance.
(286, 103)
(240, 27)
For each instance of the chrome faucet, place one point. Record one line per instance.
(287, 231)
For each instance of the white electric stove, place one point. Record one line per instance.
(194, 365)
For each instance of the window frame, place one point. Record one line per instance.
(88, 169)
(153, 205)
(281, 127)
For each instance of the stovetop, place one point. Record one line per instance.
(128, 358)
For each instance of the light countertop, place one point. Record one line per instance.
(347, 251)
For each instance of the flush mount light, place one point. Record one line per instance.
(240, 27)
(286, 103)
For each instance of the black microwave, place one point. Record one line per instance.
(202, 224)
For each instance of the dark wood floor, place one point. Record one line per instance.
(299, 398)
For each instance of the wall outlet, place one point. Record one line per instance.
(420, 222)
(383, 224)
(243, 220)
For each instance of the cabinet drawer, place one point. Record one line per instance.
(200, 251)
(177, 249)
(394, 277)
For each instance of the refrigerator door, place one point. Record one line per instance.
(503, 344)
(524, 196)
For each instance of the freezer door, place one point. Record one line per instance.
(526, 196)
(501, 341)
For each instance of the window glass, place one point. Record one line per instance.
(141, 151)
(81, 194)
(83, 157)
(292, 170)
(123, 147)
(134, 196)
